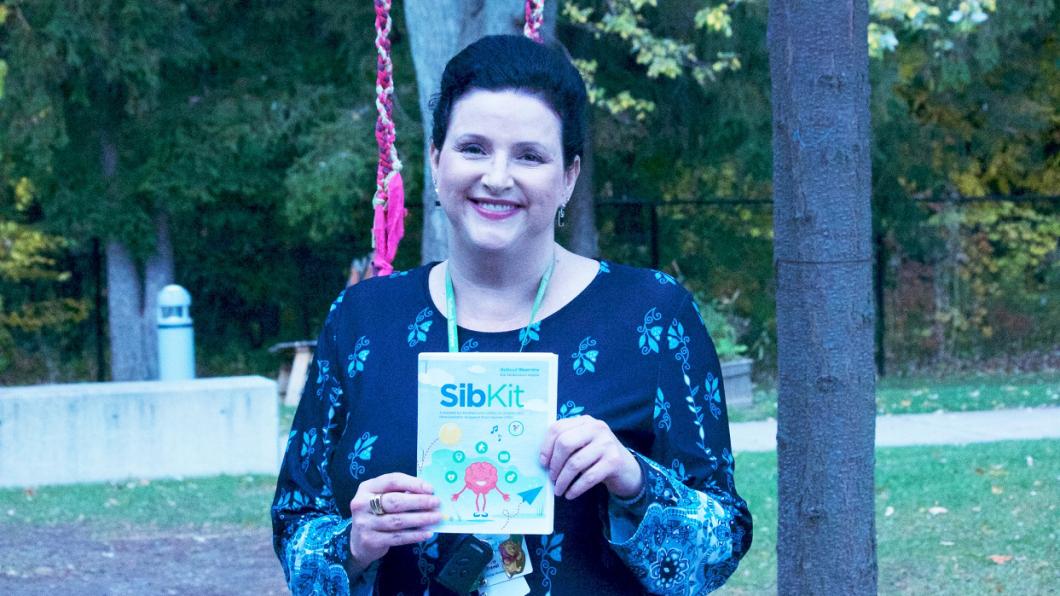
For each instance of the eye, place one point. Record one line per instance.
(532, 156)
(470, 149)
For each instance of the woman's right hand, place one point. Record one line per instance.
(411, 510)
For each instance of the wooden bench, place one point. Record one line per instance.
(292, 378)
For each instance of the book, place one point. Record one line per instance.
(481, 420)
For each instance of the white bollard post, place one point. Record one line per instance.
(176, 338)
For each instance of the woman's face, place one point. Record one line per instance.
(500, 171)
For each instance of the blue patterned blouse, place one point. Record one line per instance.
(633, 352)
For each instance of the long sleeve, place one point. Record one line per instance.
(310, 536)
(687, 531)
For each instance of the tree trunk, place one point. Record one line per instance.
(581, 235)
(131, 302)
(124, 315)
(158, 273)
(438, 29)
(826, 541)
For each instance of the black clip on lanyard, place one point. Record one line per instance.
(463, 573)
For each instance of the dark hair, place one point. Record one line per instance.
(513, 62)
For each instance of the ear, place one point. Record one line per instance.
(435, 155)
(570, 177)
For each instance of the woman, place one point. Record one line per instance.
(640, 456)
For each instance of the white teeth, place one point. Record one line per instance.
(496, 206)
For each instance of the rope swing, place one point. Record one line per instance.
(388, 225)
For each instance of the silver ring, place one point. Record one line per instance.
(375, 504)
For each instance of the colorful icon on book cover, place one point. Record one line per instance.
(504, 457)
(529, 496)
(459, 457)
(482, 447)
(516, 428)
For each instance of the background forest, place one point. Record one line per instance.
(230, 145)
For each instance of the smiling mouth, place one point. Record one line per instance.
(494, 206)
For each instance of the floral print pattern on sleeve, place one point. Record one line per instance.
(688, 530)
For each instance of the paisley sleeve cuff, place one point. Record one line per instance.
(683, 543)
(317, 558)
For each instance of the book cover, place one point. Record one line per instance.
(481, 420)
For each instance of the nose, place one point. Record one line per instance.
(497, 179)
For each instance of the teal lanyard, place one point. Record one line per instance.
(450, 305)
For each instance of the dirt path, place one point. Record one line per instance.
(82, 559)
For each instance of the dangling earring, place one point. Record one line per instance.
(561, 216)
(437, 202)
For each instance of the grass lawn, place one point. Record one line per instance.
(194, 502)
(921, 395)
(942, 512)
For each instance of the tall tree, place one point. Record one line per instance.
(818, 56)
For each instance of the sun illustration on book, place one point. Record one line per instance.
(481, 478)
(450, 433)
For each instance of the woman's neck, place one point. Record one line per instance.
(495, 291)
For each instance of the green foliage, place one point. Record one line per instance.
(949, 118)
(214, 127)
(978, 121)
(264, 160)
(723, 326)
(31, 312)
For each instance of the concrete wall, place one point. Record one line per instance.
(91, 432)
(736, 375)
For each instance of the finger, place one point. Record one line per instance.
(576, 464)
(399, 522)
(566, 444)
(396, 482)
(554, 431)
(407, 537)
(589, 478)
(402, 502)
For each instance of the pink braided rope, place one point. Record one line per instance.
(535, 17)
(388, 225)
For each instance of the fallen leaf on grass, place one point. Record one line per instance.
(905, 403)
(936, 510)
(888, 512)
(947, 543)
(1030, 462)
(1000, 559)
(997, 490)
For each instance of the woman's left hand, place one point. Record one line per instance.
(581, 452)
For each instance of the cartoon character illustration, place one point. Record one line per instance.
(481, 478)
